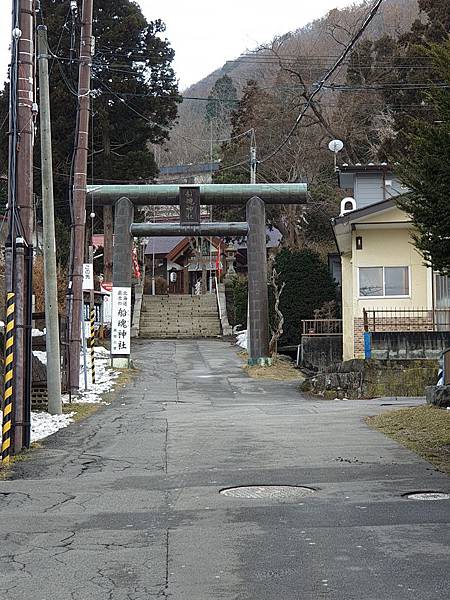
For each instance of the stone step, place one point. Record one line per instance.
(176, 336)
(179, 317)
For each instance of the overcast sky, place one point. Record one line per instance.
(205, 34)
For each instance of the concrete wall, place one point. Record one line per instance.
(319, 352)
(409, 344)
(370, 188)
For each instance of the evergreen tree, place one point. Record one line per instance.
(222, 101)
(424, 168)
(412, 68)
(134, 96)
(308, 286)
(242, 119)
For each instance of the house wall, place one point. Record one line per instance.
(347, 307)
(371, 187)
(388, 247)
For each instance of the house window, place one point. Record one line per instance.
(383, 281)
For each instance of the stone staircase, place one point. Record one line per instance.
(179, 317)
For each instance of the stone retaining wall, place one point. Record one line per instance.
(374, 379)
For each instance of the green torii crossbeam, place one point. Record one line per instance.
(210, 194)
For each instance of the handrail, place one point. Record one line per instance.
(218, 298)
(324, 327)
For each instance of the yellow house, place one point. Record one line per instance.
(385, 283)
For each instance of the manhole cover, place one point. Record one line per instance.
(427, 496)
(271, 492)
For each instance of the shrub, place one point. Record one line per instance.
(308, 286)
(237, 294)
(39, 285)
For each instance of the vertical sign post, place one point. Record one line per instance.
(121, 321)
(121, 291)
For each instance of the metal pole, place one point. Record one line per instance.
(253, 164)
(83, 337)
(79, 190)
(28, 348)
(108, 242)
(252, 181)
(51, 288)
(19, 350)
(92, 318)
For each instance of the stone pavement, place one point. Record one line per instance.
(126, 505)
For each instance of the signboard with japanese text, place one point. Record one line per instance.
(121, 320)
(88, 277)
(107, 288)
(189, 205)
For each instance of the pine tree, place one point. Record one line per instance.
(222, 101)
(134, 97)
(424, 168)
(308, 286)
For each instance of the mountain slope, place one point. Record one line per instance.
(315, 45)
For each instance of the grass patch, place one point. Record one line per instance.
(82, 410)
(6, 470)
(280, 370)
(424, 429)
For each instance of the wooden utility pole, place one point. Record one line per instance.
(79, 191)
(25, 93)
(24, 230)
(51, 289)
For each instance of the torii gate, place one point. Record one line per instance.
(189, 198)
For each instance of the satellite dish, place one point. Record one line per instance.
(336, 146)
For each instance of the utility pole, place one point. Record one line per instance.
(23, 246)
(51, 289)
(253, 167)
(253, 163)
(79, 191)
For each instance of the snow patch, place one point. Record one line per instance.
(241, 339)
(43, 424)
(104, 378)
(41, 356)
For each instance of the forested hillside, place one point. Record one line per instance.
(370, 103)
(312, 47)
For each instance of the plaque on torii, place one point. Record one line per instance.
(189, 205)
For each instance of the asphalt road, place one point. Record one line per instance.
(126, 505)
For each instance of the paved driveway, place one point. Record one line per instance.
(126, 505)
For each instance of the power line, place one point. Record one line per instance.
(325, 78)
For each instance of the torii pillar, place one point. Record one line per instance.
(258, 301)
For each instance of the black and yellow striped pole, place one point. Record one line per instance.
(92, 342)
(8, 393)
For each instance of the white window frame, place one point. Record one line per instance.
(383, 296)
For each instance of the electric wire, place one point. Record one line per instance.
(325, 78)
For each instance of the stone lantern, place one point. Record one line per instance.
(230, 255)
